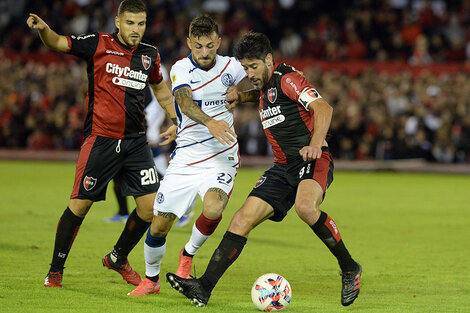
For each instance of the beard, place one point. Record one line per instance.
(206, 61)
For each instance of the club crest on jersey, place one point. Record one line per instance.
(89, 183)
(227, 79)
(160, 198)
(272, 94)
(260, 181)
(146, 60)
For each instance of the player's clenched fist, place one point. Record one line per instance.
(310, 153)
(232, 98)
(35, 22)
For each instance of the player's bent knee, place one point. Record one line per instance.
(80, 207)
(145, 213)
(241, 224)
(159, 231)
(213, 211)
(307, 212)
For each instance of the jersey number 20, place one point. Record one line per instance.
(149, 177)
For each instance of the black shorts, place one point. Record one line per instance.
(101, 159)
(278, 185)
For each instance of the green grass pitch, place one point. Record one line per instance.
(410, 232)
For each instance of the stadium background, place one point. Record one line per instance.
(395, 71)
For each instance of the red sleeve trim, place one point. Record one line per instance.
(292, 85)
(69, 42)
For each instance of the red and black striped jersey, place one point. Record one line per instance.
(117, 76)
(287, 124)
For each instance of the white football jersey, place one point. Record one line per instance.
(195, 146)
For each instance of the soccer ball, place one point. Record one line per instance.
(271, 292)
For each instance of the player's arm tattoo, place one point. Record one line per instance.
(165, 99)
(221, 195)
(166, 214)
(168, 108)
(184, 98)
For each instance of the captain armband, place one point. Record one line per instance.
(308, 95)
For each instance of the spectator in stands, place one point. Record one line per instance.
(418, 31)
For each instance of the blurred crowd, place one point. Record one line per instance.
(385, 117)
(377, 115)
(415, 31)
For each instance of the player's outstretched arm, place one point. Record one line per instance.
(49, 37)
(219, 129)
(323, 114)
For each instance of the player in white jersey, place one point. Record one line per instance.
(155, 116)
(206, 157)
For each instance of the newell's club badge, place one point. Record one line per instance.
(146, 61)
(312, 93)
(260, 181)
(89, 183)
(272, 94)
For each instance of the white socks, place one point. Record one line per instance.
(196, 241)
(153, 259)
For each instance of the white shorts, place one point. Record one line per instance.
(178, 191)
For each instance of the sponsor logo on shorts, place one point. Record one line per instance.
(260, 181)
(89, 183)
(160, 198)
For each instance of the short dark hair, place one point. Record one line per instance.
(133, 6)
(203, 25)
(252, 46)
